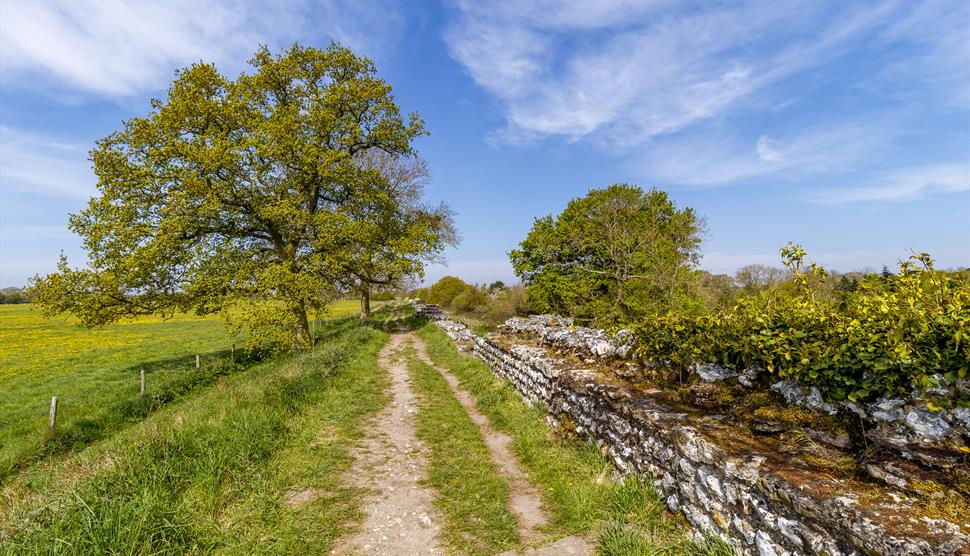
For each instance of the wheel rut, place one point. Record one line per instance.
(392, 462)
(525, 501)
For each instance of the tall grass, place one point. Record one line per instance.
(95, 374)
(216, 472)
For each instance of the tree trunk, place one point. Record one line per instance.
(301, 335)
(365, 302)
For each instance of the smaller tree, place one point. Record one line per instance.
(496, 286)
(753, 278)
(616, 254)
(393, 235)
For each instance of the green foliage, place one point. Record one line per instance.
(13, 296)
(421, 293)
(391, 232)
(754, 278)
(470, 300)
(616, 254)
(496, 286)
(505, 304)
(254, 189)
(889, 336)
(445, 290)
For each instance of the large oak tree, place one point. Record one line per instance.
(238, 193)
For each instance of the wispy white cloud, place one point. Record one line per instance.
(116, 48)
(626, 72)
(43, 165)
(941, 33)
(675, 93)
(902, 185)
(717, 158)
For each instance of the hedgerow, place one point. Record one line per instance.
(889, 336)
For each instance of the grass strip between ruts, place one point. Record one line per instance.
(470, 493)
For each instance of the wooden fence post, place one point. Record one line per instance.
(53, 417)
(196, 360)
(142, 384)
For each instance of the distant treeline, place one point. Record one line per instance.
(13, 295)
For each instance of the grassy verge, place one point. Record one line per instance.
(95, 374)
(251, 465)
(471, 494)
(627, 517)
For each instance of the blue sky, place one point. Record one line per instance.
(844, 126)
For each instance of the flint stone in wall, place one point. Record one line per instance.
(805, 396)
(749, 375)
(463, 337)
(909, 426)
(429, 311)
(561, 333)
(712, 373)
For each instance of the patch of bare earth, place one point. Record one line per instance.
(525, 502)
(392, 463)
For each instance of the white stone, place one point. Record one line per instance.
(713, 485)
(713, 373)
(789, 530)
(764, 545)
(926, 424)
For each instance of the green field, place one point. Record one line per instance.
(251, 464)
(95, 375)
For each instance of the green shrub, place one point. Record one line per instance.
(889, 336)
(505, 304)
(445, 290)
(469, 301)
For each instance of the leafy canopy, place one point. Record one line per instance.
(241, 195)
(616, 254)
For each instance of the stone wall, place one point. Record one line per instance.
(724, 480)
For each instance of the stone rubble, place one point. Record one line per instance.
(429, 311)
(463, 337)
